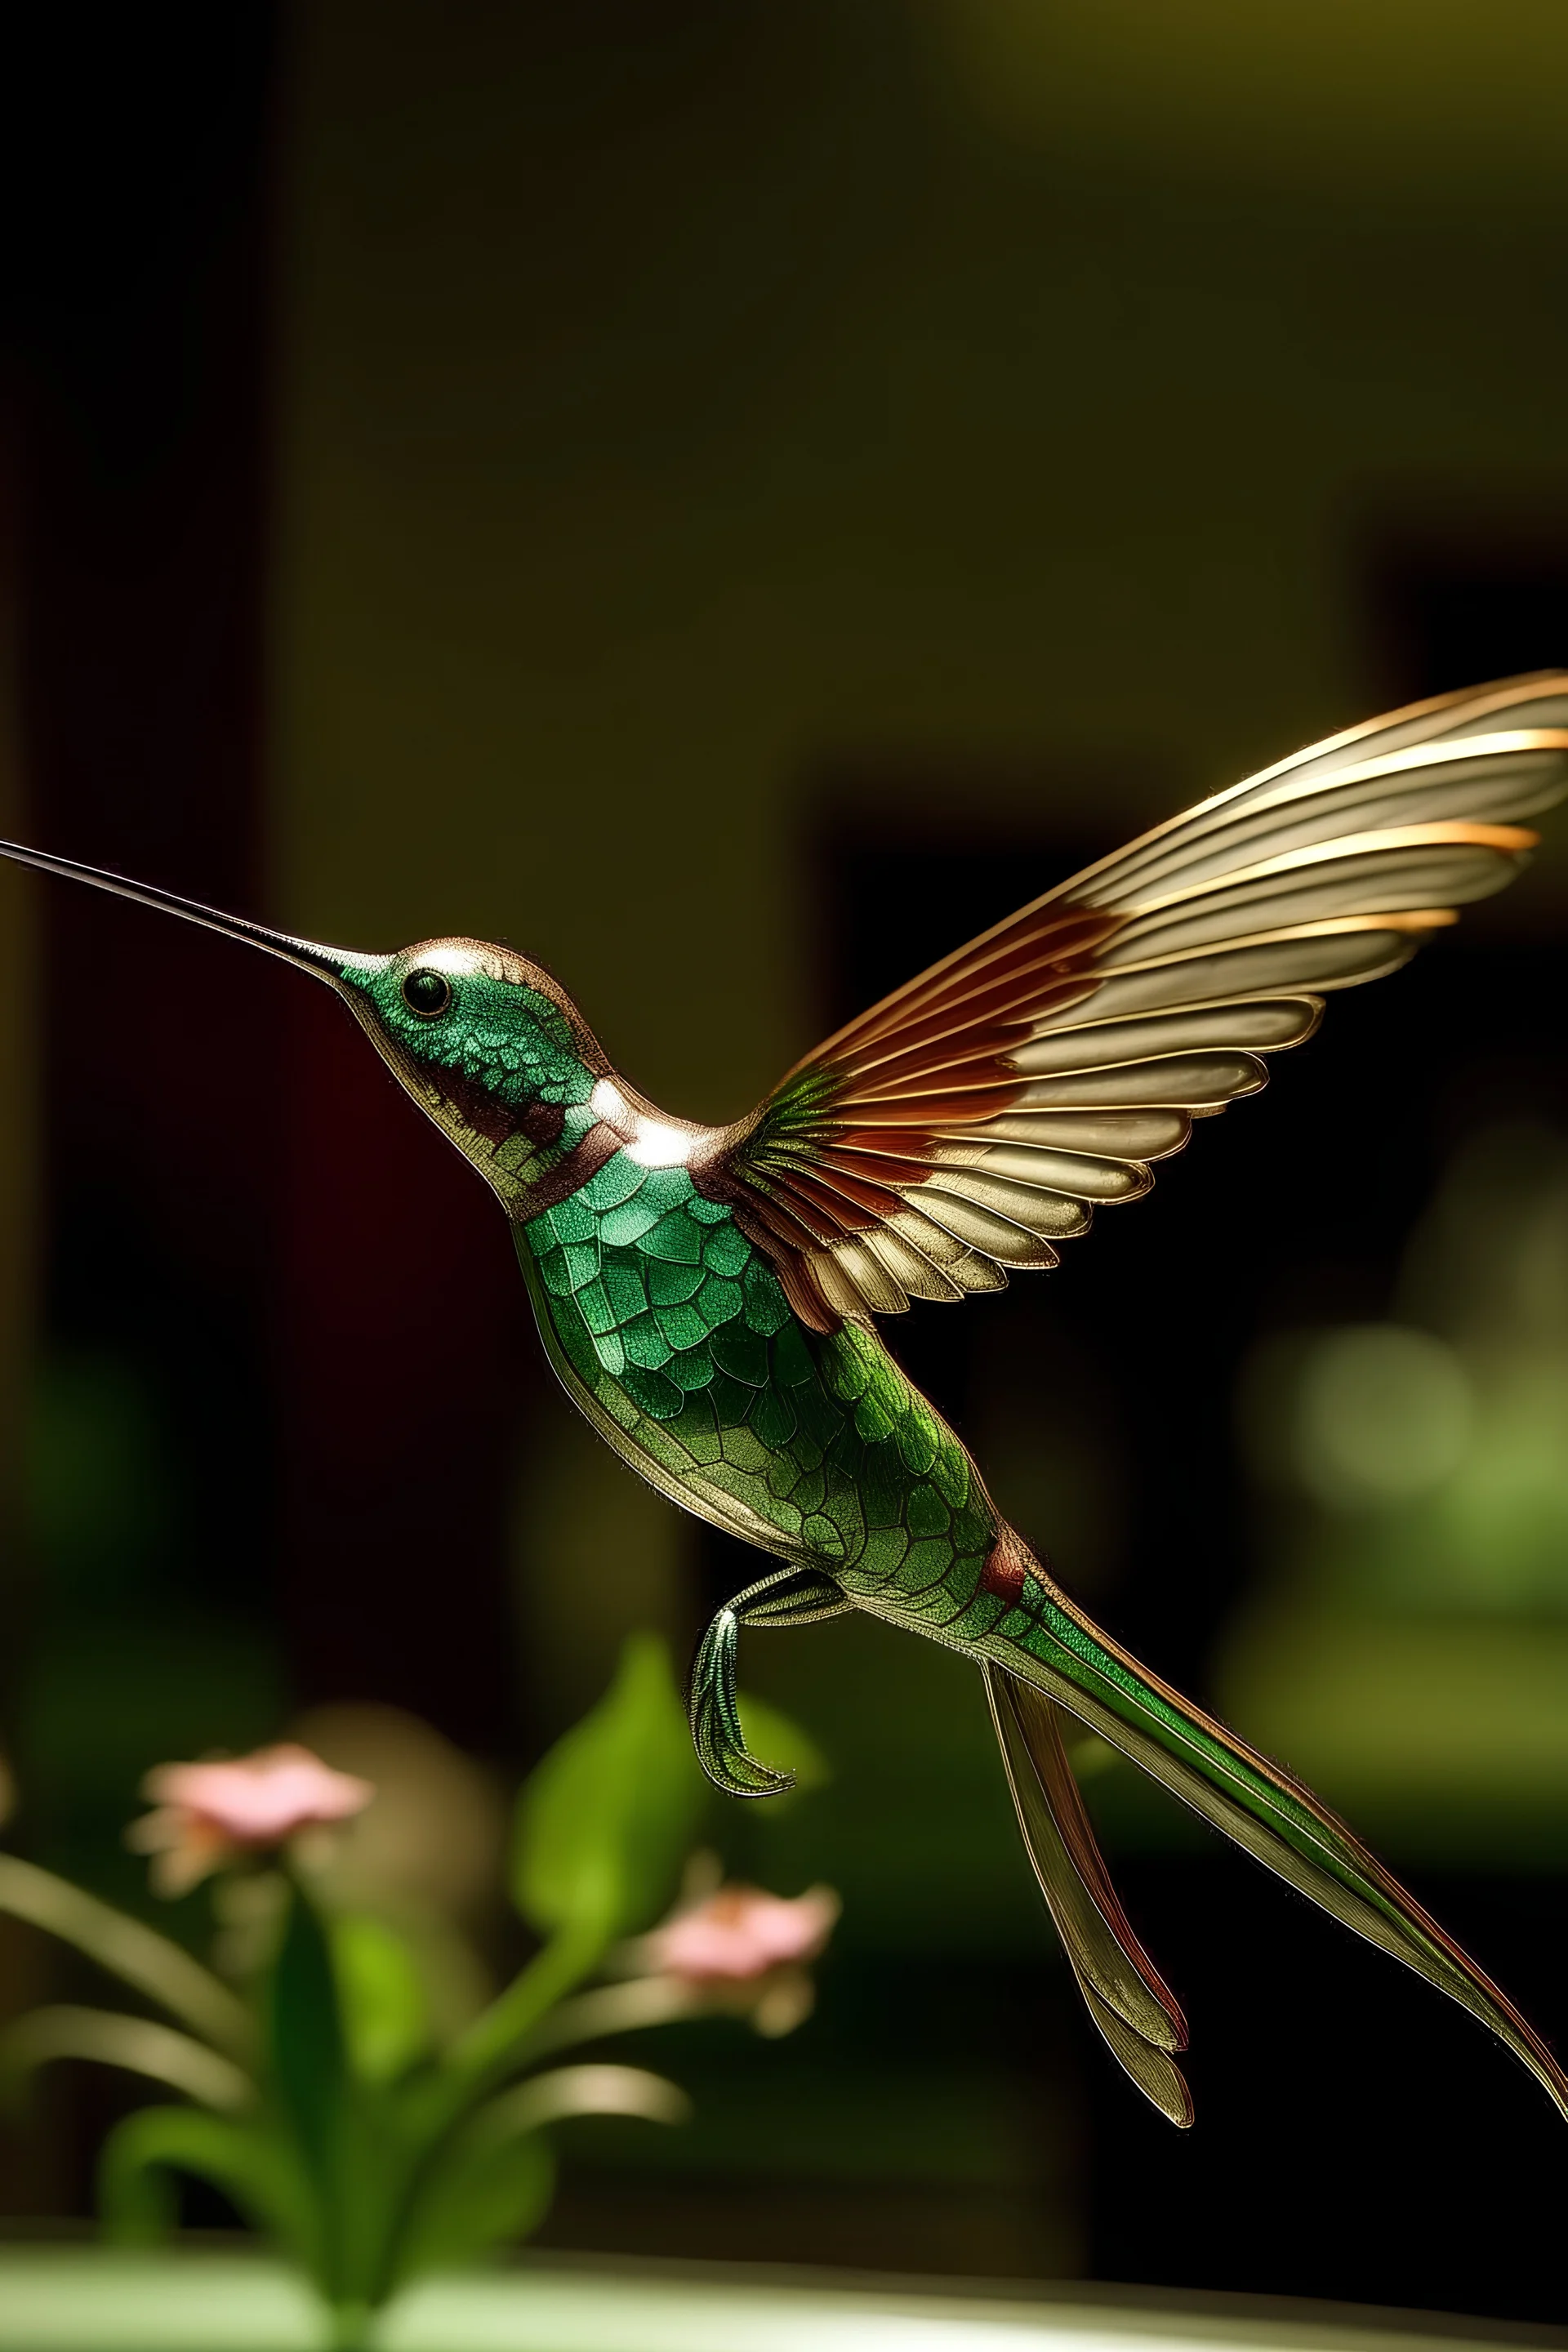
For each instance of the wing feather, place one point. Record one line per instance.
(1125, 1134)
(978, 1227)
(1413, 788)
(1381, 874)
(871, 1278)
(1321, 958)
(961, 1260)
(1074, 1173)
(1103, 1044)
(974, 1117)
(1199, 1082)
(905, 1265)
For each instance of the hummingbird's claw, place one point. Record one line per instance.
(715, 1718)
(791, 1596)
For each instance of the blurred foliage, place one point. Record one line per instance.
(322, 2099)
(608, 1816)
(125, 1663)
(1410, 1650)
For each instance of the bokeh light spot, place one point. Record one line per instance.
(1383, 1414)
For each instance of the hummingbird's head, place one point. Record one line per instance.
(488, 1043)
(491, 1046)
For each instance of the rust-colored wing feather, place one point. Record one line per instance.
(972, 1120)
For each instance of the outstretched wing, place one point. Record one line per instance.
(970, 1121)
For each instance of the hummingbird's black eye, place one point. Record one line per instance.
(426, 992)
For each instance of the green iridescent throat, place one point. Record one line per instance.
(499, 1069)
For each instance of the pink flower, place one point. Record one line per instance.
(740, 1948)
(740, 1932)
(207, 1815)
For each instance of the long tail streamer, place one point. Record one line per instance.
(1261, 1808)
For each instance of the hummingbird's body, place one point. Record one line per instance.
(709, 1294)
(672, 1332)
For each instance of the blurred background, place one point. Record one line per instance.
(731, 498)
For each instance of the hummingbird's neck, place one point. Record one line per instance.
(494, 1051)
(542, 1156)
(533, 1144)
(648, 1136)
(531, 1158)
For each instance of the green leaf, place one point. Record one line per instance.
(139, 1956)
(485, 2193)
(770, 1732)
(308, 2061)
(135, 2192)
(492, 2182)
(345, 2132)
(570, 2091)
(111, 2038)
(606, 1819)
(382, 1995)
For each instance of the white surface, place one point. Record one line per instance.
(85, 2299)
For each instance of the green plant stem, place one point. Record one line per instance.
(495, 2038)
(351, 2327)
(139, 1956)
(483, 2055)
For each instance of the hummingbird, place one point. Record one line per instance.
(709, 1295)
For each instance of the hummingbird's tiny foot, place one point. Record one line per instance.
(715, 1718)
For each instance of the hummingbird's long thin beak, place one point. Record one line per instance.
(327, 963)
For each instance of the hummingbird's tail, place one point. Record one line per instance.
(1271, 1816)
(1122, 1990)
